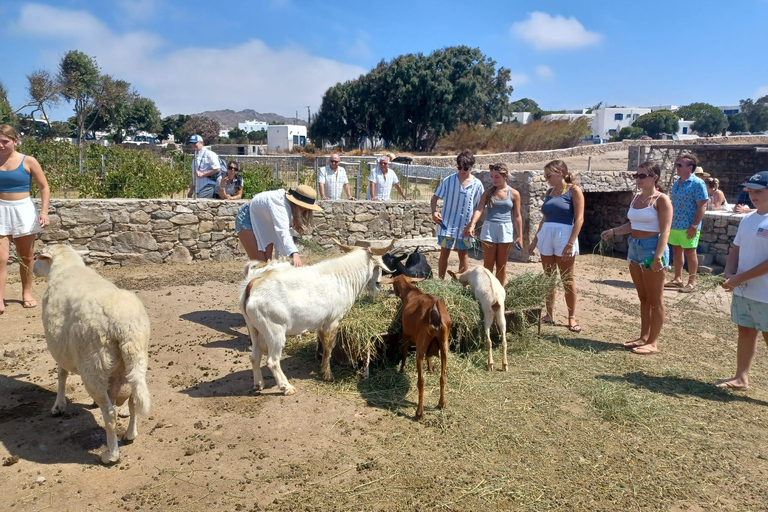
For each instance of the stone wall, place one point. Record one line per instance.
(604, 210)
(717, 232)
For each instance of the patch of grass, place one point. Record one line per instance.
(621, 405)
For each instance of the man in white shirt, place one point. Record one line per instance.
(205, 170)
(382, 179)
(746, 274)
(332, 178)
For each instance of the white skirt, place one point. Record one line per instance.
(18, 218)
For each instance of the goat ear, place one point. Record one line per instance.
(415, 279)
(43, 256)
(454, 275)
(383, 250)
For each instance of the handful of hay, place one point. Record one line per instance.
(528, 290)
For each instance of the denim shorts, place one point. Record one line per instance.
(243, 218)
(749, 313)
(641, 249)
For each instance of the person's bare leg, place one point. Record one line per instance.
(5, 253)
(489, 255)
(502, 254)
(248, 240)
(463, 259)
(636, 271)
(25, 247)
(677, 255)
(567, 267)
(654, 287)
(693, 265)
(745, 353)
(442, 262)
(549, 265)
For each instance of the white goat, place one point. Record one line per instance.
(279, 300)
(491, 295)
(95, 329)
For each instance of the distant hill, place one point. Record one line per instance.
(229, 118)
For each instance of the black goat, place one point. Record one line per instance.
(415, 265)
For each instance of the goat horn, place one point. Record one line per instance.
(345, 248)
(386, 281)
(384, 250)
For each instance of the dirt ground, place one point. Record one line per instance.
(539, 437)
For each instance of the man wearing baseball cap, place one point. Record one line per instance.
(205, 170)
(746, 274)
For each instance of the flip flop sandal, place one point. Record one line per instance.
(672, 284)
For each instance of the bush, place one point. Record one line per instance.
(258, 178)
(535, 136)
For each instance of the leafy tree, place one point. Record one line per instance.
(143, 115)
(6, 112)
(526, 105)
(207, 128)
(756, 113)
(172, 126)
(78, 81)
(238, 136)
(658, 122)
(738, 123)
(42, 90)
(112, 102)
(415, 99)
(708, 119)
(629, 132)
(258, 136)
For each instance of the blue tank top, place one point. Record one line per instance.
(17, 180)
(500, 210)
(558, 209)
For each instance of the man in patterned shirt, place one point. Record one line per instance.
(332, 178)
(689, 202)
(461, 194)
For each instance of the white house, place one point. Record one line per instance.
(731, 110)
(609, 121)
(224, 134)
(520, 117)
(253, 126)
(282, 137)
(566, 117)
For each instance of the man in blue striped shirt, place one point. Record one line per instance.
(461, 194)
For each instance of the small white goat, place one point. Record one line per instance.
(279, 300)
(491, 295)
(95, 329)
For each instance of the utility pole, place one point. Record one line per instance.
(297, 117)
(307, 115)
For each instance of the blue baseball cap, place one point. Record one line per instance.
(758, 181)
(195, 139)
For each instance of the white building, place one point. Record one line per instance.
(520, 117)
(664, 107)
(566, 117)
(731, 110)
(224, 134)
(253, 126)
(609, 121)
(282, 137)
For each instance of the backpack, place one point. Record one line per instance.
(222, 169)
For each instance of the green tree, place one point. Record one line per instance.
(258, 136)
(143, 115)
(78, 81)
(207, 128)
(42, 91)
(238, 136)
(526, 105)
(658, 122)
(6, 112)
(738, 123)
(629, 132)
(707, 119)
(756, 113)
(112, 102)
(172, 126)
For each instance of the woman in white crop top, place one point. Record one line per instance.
(650, 218)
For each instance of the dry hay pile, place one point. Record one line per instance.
(528, 291)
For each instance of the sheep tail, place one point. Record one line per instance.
(134, 352)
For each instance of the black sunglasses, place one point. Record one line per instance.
(678, 164)
(233, 167)
(639, 176)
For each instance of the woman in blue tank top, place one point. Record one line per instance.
(503, 223)
(19, 220)
(558, 236)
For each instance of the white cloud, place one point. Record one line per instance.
(189, 80)
(137, 10)
(518, 79)
(547, 32)
(545, 72)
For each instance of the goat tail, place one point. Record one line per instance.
(133, 350)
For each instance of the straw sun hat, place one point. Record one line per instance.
(304, 196)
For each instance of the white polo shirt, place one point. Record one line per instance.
(383, 183)
(334, 181)
(205, 160)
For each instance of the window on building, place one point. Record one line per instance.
(612, 131)
(685, 130)
(295, 139)
(618, 117)
(635, 116)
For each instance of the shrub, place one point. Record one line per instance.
(258, 178)
(535, 136)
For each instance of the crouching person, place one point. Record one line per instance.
(746, 273)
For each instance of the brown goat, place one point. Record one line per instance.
(427, 324)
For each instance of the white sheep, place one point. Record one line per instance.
(491, 295)
(95, 329)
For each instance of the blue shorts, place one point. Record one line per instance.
(497, 232)
(641, 249)
(460, 244)
(749, 313)
(243, 218)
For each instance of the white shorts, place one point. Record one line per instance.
(497, 232)
(18, 218)
(553, 238)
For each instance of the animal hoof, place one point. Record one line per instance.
(108, 457)
(290, 391)
(490, 367)
(328, 378)
(504, 368)
(419, 416)
(58, 410)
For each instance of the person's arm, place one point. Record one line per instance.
(701, 208)
(624, 229)
(469, 230)
(220, 188)
(348, 190)
(739, 279)
(517, 217)
(578, 220)
(731, 263)
(282, 222)
(322, 191)
(400, 189)
(535, 241)
(238, 195)
(664, 208)
(718, 199)
(437, 217)
(42, 185)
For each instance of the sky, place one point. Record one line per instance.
(281, 55)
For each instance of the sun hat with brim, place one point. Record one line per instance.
(758, 181)
(194, 139)
(304, 196)
(700, 172)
